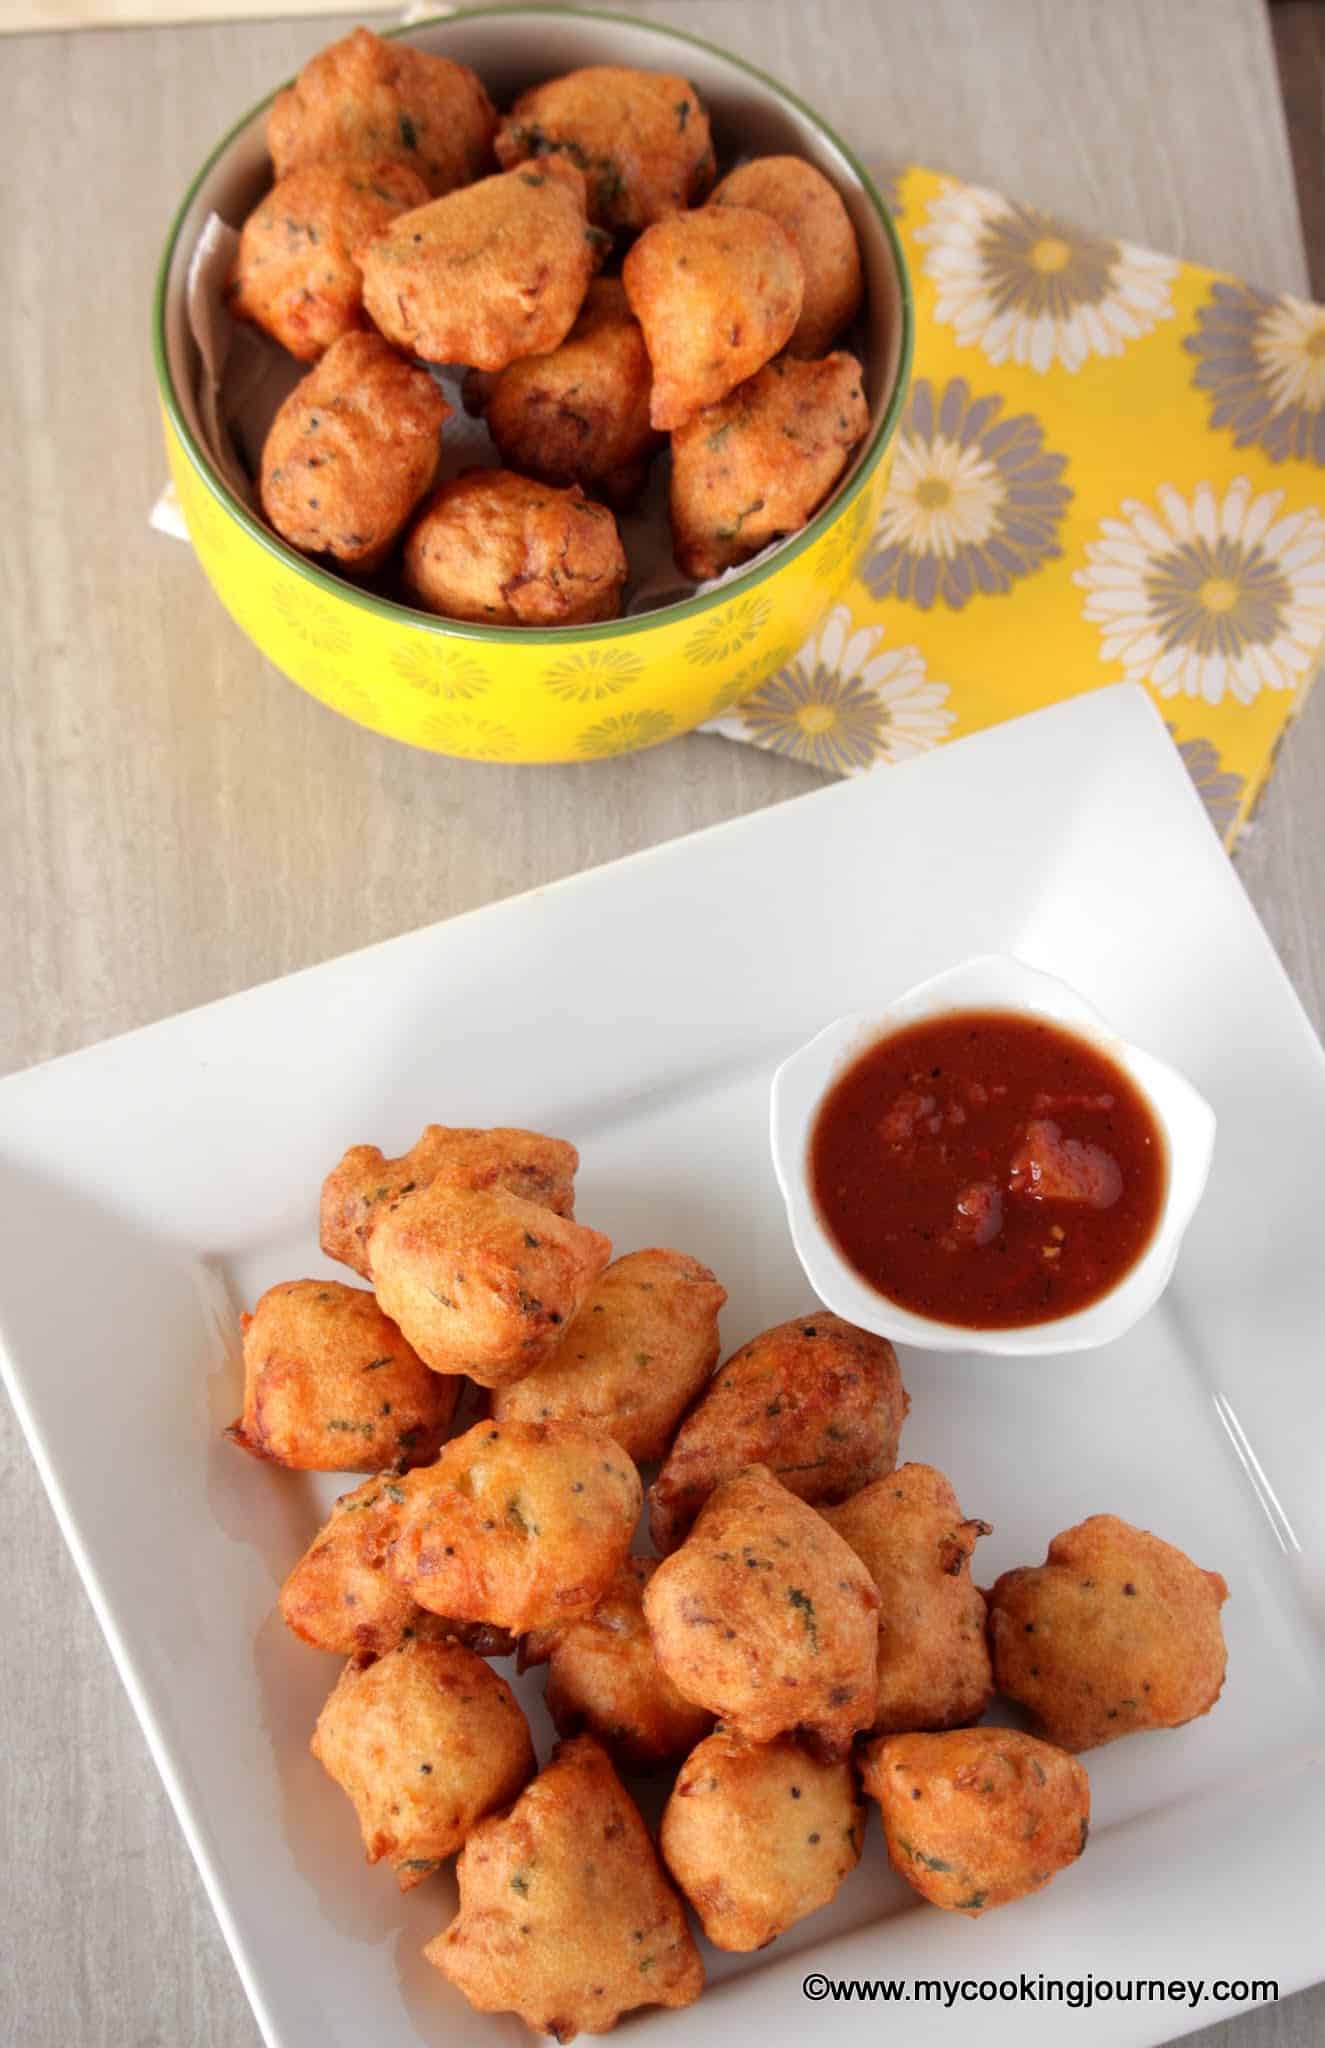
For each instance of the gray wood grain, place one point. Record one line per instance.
(176, 821)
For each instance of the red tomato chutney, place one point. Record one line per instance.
(988, 1168)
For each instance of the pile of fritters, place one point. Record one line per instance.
(807, 1632)
(410, 224)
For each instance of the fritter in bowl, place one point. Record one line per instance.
(718, 293)
(495, 271)
(803, 201)
(366, 97)
(580, 413)
(295, 273)
(759, 464)
(505, 551)
(640, 137)
(351, 452)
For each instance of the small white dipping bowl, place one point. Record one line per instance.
(991, 982)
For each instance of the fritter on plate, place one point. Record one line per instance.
(1116, 1632)
(565, 1915)
(633, 1360)
(977, 1817)
(331, 1385)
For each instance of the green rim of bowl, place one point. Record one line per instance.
(459, 629)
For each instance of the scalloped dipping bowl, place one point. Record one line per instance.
(993, 981)
(561, 693)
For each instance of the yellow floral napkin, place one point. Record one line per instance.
(1109, 468)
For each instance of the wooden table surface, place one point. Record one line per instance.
(176, 821)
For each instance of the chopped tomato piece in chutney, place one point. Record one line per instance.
(988, 1168)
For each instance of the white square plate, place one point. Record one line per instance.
(154, 1184)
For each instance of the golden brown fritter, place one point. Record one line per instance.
(817, 1400)
(603, 1676)
(295, 273)
(717, 293)
(365, 98)
(759, 464)
(498, 548)
(340, 1596)
(331, 1385)
(977, 1817)
(364, 1184)
(518, 1524)
(580, 414)
(767, 1618)
(1115, 1632)
(908, 1532)
(640, 137)
(758, 1834)
(351, 453)
(565, 1915)
(424, 1741)
(487, 274)
(633, 1360)
(484, 1282)
(801, 200)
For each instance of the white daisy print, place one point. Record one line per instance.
(1024, 287)
(975, 500)
(844, 703)
(1205, 596)
(1262, 360)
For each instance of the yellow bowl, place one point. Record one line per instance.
(560, 693)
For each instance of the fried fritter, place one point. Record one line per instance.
(580, 414)
(489, 273)
(977, 1817)
(341, 1597)
(603, 1676)
(761, 462)
(1115, 1632)
(498, 548)
(351, 452)
(817, 1400)
(295, 273)
(800, 199)
(365, 98)
(633, 1360)
(483, 1282)
(766, 1617)
(424, 1741)
(364, 1184)
(331, 1385)
(717, 292)
(757, 1835)
(518, 1524)
(565, 1915)
(908, 1532)
(640, 137)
